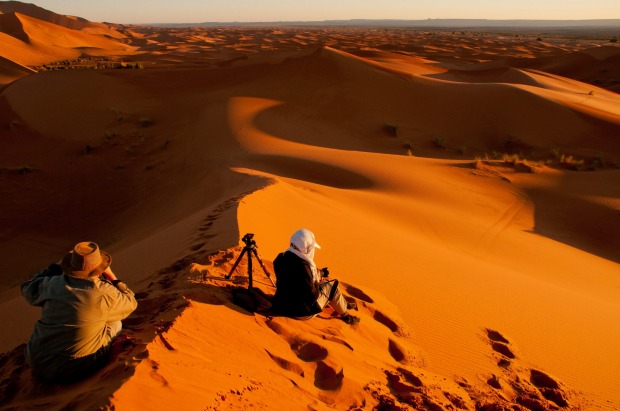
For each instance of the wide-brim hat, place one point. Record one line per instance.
(85, 260)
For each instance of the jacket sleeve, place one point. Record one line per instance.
(32, 290)
(122, 303)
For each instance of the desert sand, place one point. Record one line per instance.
(464, 187)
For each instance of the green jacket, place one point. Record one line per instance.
(74, 315)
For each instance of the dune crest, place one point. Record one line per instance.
(32, 36)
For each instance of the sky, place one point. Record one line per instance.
(197, 11)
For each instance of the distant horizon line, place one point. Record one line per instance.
(430, 22)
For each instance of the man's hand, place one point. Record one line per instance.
(109, 275)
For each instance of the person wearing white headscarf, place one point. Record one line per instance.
(301, 291)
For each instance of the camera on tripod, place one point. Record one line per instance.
(249, 241)
(249, 249)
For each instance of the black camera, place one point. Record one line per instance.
(248, 239)
(324, 272)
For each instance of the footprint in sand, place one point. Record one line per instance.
(500, 345)
(327, 377)
(409, 390)
(377, 315)
(387, 321)
(533, 397)
(357, 293)
(309, 351)
(286, 364)
(548, 387)
(396, 351)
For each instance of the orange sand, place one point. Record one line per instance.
(477, 285)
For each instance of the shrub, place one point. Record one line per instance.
(409, 148)
(391, 130)
(511, 158)
(146, 122)
(22, 170)
(440, 142)
(595, 165)
(109, 135)
(571, 162)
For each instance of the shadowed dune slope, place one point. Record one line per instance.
(355, 100)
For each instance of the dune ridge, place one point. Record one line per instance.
(32, 10)
(32, 36)
(11, 71)
(484, 283)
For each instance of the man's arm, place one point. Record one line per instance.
(31, 289)
(124, 302)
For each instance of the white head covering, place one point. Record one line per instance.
(303, 245)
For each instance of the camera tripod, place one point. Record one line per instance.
(250, 248)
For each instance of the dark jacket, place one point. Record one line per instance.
(296, 290)
(74, 317)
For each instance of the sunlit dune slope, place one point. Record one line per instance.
(155, 165)
(30, 41)
(455, 251)
(39, 13)
(599, 66)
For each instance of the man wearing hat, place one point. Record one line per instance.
(82, 304)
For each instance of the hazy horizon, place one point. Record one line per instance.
(246, 11)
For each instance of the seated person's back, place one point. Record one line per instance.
(301, 290)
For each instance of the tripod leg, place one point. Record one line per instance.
(250, 271)
(263, 266)
(232, 270)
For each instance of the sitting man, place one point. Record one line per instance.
(81, 314)
(301, 292)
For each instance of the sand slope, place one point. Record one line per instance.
(30, 41)
(39, 13)
(477, 286)
(11, 71)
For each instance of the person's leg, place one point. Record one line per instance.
(330, 294)
(338, 302)
(77, 369)
(325, 290)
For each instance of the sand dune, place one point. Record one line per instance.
(30, 41)
(598, 66)
(481, 285)
(39, 13)
(11, 71)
